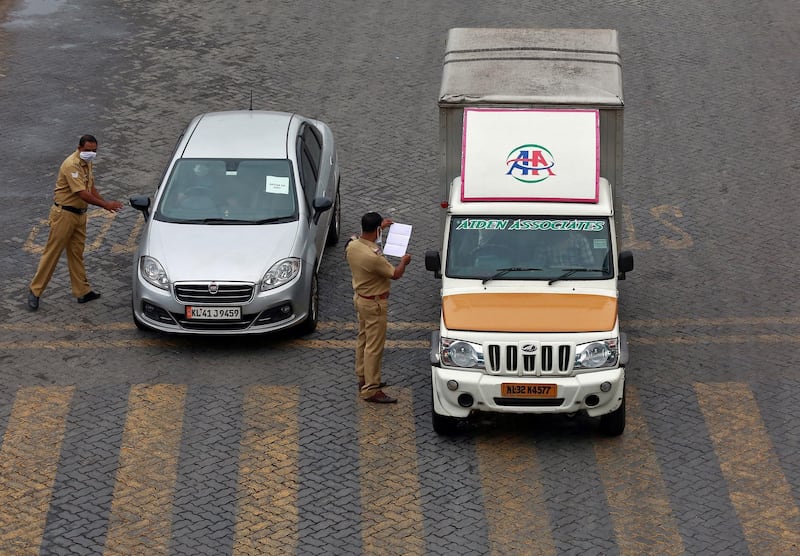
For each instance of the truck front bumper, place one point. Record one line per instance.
(457, 393)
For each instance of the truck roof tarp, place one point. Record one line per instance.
(532, 66)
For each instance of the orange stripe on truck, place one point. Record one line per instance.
(529, 312)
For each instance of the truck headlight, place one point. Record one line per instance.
(594, 355)
(458, 353)
(152, 271)
(282, 272)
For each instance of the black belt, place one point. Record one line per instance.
(71, 209)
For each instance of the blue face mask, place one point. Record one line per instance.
(88, 156)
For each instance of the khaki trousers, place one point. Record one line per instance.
(67, 231)
(372, 316)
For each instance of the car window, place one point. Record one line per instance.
(313, 143)
(232, 191)
(308, 175)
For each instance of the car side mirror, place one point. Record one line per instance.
(433, 262)
(625, 263)
(320, 204)
(142, 203)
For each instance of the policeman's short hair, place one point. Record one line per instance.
(86, 139)
(371, 222)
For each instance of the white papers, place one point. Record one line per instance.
(278, 184)
(396, 242)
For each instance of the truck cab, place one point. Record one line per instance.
(529, 258)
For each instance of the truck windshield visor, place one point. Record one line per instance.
(524, 248)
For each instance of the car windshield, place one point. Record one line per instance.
(515, 248)
(215, 191)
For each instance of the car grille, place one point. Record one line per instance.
(198, 293)
(530, 359)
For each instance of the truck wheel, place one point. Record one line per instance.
(336, 221)
(443, 424)
(310, 324)
(613, 424)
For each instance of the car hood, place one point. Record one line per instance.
(239, 253)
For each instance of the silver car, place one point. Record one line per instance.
(234, 236)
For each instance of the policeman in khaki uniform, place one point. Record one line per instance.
(372, 276)
(74, 191)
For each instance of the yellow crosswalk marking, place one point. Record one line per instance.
(635, 490)
(267, 515)
(141, 510)
(351, 344)
(758, 488)
(514, 503)
(390, 494)
(28, 463)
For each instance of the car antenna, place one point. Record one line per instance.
(251, 99)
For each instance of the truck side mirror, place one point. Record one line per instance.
(433, 262)
(142, 203)
(625, 263)
(321, 204)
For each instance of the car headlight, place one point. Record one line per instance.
(152, 271)
(282, 272)
(458, 353)
(594, 355)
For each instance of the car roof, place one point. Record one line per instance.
(239, 134)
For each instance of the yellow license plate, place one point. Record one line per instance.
(524, 390)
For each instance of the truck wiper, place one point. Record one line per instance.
(570, 271)
(502, 271)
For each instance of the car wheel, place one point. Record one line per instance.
(443, 424)
(613, 424)
(334, 228)
(310, 324)
(139, 324)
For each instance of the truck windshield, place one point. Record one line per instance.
(519, 248)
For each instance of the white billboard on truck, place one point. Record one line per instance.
(530, 155)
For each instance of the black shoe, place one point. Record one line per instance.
(380, 397)
(33, 301)
(91, 296)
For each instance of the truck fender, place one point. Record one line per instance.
(435, 348)
(623, 349)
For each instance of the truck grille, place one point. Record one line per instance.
(530, 359)
(200, 293)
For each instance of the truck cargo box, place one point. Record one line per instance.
(532, 68)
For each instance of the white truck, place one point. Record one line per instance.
(531, 127)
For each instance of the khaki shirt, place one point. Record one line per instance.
(372, 273)
(73, 176)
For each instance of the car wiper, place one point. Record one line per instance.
(570, 271)
(502, 271)
(276, 220)
(224, 221)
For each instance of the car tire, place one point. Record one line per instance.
(310, 324)
(443, 424)
(139, 324)
(334, 229)
(613, 424)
